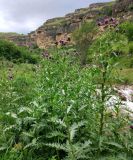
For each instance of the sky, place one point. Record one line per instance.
(24, 16)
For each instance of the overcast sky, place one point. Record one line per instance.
(24, 16)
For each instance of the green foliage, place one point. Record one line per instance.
(111, 42)
(131, 48)
(116, 46)
(58, 110)
(55, 112)
(14, 53)
(107, 10)
(127, 29)
(83, 38)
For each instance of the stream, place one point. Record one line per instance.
(123, 98)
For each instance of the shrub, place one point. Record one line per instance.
(111, 43)
(131, 63)
(107, 11)
(60, 114)
(127, 29)
(11, 52)
(131, 48)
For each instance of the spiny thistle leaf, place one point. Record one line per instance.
(73, 129)
(56, 145)
(114, 144)
(56, 134)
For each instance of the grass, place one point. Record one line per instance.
(57, 22)
(57, 109)
(125, 76)
(124, 70)
(18, 69)
(7, 35)
(48, 112)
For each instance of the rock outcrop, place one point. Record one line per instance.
(123, 100)
(122, 6)
(61, 28)
(57, 29)
(19, 39)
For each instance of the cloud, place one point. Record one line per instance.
(24, 16)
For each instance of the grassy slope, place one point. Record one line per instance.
(8, 34)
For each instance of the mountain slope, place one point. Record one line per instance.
(56, 29)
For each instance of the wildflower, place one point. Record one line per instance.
(62, 42)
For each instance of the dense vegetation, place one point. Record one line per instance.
(57, 109)
(11, 52)
(116, 42)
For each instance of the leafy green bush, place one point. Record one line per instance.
(61, 114)
(111, 43)
(127, 29)
(131, 63)
(11, 52)
(131, 48)
(58, 110)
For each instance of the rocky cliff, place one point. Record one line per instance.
(19, 39)
(60, 28)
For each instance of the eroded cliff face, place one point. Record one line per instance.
(123, 9)
(14, 37)
(57, 29)
(61, 28)
(18, 39)
(122, 6)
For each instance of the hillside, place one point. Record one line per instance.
(19, 39)
(4, 34)
(61, 28)
(70, 97)
(56, 29)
